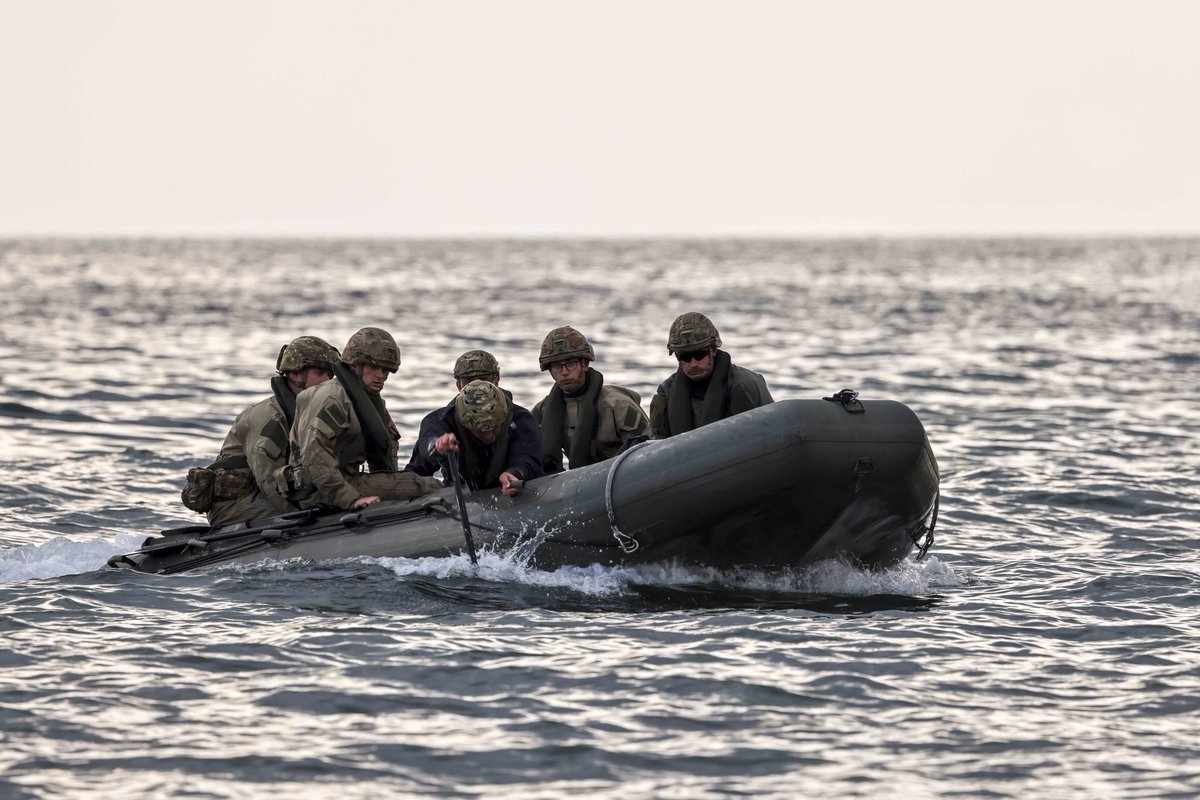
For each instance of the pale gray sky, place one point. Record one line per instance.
(532, 117)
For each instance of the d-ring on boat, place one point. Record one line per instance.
(785, 484)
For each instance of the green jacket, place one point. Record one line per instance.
(677, 407)
(259, 435)
(618, 418)
(329, 443)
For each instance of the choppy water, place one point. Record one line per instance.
(1049, 647)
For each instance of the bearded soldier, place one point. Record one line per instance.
(240, 485)
(343, 426)
(583, 417)
(495, 441)
(707, 386)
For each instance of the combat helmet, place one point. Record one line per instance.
(481, 406)
(373, 346)
(692, 331)
(475, 364)
(562, 344)
(306, 351)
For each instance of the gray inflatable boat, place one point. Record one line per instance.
(786, 484)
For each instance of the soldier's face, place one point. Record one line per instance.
(301, 379)
(698, 364)
(570, 375)
(373, 377)
(487, 437)
(315, 375)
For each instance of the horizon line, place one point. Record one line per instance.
(498, 236)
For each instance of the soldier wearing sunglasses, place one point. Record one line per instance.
(707, 386)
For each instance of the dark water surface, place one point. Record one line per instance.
(1048, 647)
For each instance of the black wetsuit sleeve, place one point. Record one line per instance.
(425, 460)
(525, 447)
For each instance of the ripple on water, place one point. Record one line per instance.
(1046, 648)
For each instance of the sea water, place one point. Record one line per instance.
(1049, 646)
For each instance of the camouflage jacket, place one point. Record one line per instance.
(259, 434)
(328, 442)
(742, 390)
(619, 418)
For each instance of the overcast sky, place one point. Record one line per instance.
(532, 117)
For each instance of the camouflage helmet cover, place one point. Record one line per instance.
(563, 344)
(373, 346)
(692, 331)
(481, 406)
(475, 364)
(305, 351)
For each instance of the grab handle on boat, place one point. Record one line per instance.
(626, 541)
(848, 399)
(922, 535)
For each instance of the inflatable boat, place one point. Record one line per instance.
(789, 483)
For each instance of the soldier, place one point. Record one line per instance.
(583, 417)
(240, 485)
(471, 365)
(707, 386)
(476, 365)
(343, 425)
(494, 440)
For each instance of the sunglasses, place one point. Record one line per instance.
(695, 355)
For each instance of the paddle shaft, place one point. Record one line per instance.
(452, 459)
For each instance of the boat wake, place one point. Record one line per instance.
(507, 580)
(833, 585)
(62, 556)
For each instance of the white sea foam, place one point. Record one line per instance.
(910, 577)
(62, 556)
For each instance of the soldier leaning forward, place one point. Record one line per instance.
(583, 417)
(343, 428)
(707, 386)
(494, 441)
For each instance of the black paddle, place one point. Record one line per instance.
(452, 458)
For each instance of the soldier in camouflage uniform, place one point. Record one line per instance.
(707, 386)
(495, 441)
(343, 444)
(240, 485)
(476, 365)
(583, 417)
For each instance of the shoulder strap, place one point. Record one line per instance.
(371, 414)
(716, 402)
(583, 449)
(285, 397)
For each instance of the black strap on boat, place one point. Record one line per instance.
(181, 538)
(847, 399)
(626, 541)
(922, 535)
(275, 535)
